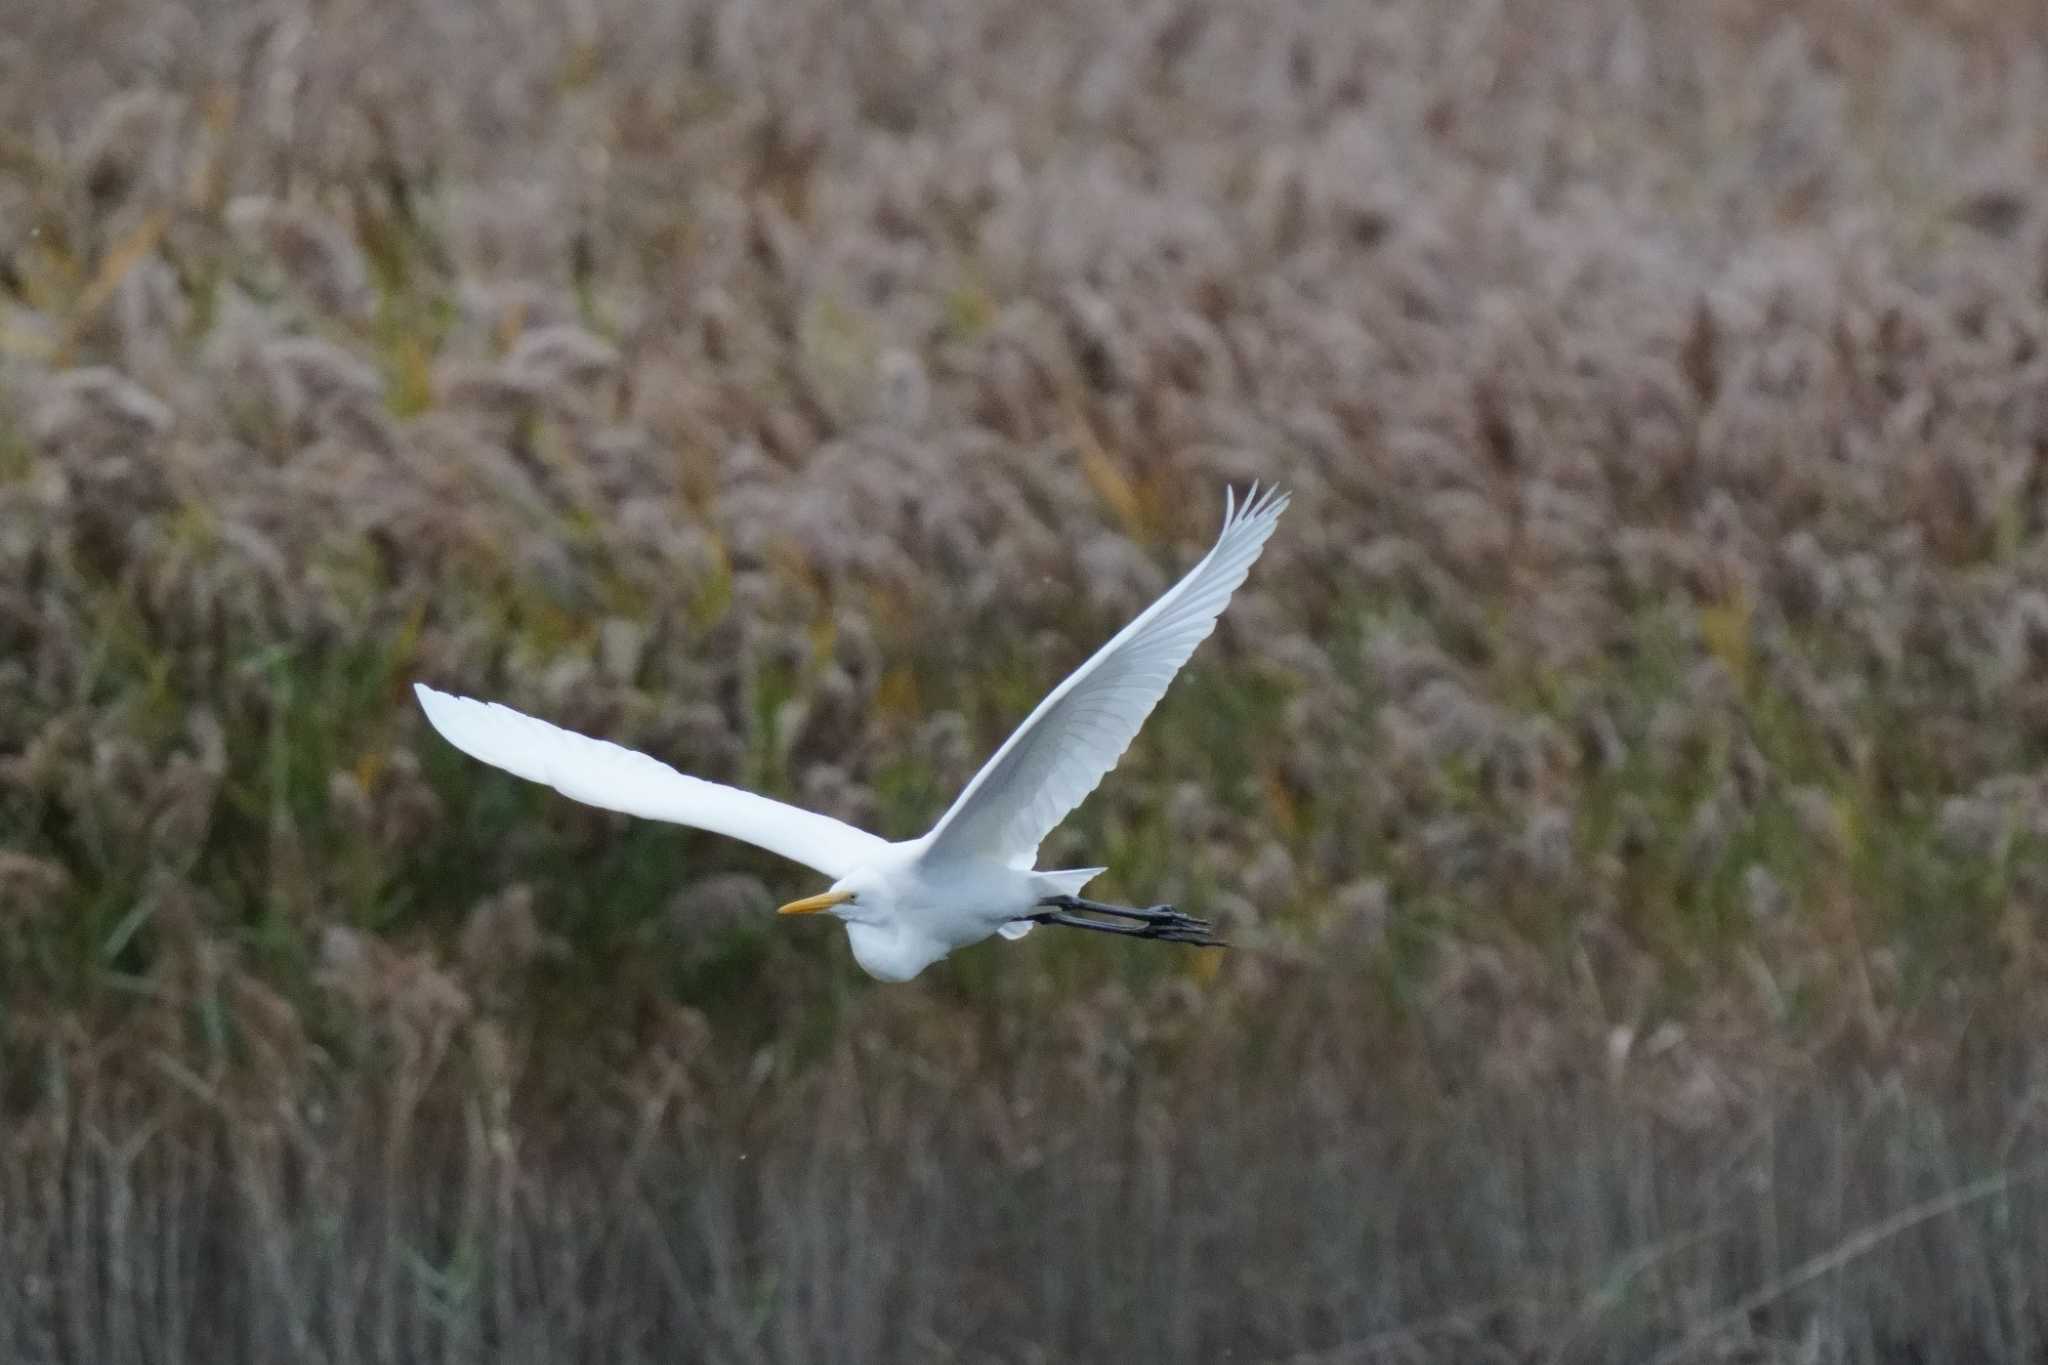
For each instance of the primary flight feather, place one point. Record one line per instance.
(908, 904)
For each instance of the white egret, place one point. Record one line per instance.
(908, 904)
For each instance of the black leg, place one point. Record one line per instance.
(1179, 929)
(1164, 915)
(1082, 922)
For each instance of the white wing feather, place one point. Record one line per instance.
(600, 773)
(1065, 747)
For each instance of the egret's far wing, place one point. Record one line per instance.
(1077, 734)
(600, 773)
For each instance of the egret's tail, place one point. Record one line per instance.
(1063, 883)
(1070, 881)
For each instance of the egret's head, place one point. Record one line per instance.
(856, 898)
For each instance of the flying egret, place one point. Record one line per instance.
(908, 904)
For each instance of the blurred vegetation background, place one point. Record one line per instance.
(1622, 776)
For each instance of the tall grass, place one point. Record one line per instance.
(1101, 1178)
(1621, 776)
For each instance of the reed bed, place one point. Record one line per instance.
(1622, 777)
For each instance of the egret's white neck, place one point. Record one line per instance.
(891, 953)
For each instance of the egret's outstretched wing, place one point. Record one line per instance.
(600, 773)
(1077, 734)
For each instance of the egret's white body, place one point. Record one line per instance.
(910, 903)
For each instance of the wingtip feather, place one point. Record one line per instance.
(492, 734)
(1262, 503)
(437, 705)
(446, 712)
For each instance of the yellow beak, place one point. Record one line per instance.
(813, 904)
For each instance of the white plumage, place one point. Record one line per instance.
(908, 904)
(600, 773)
